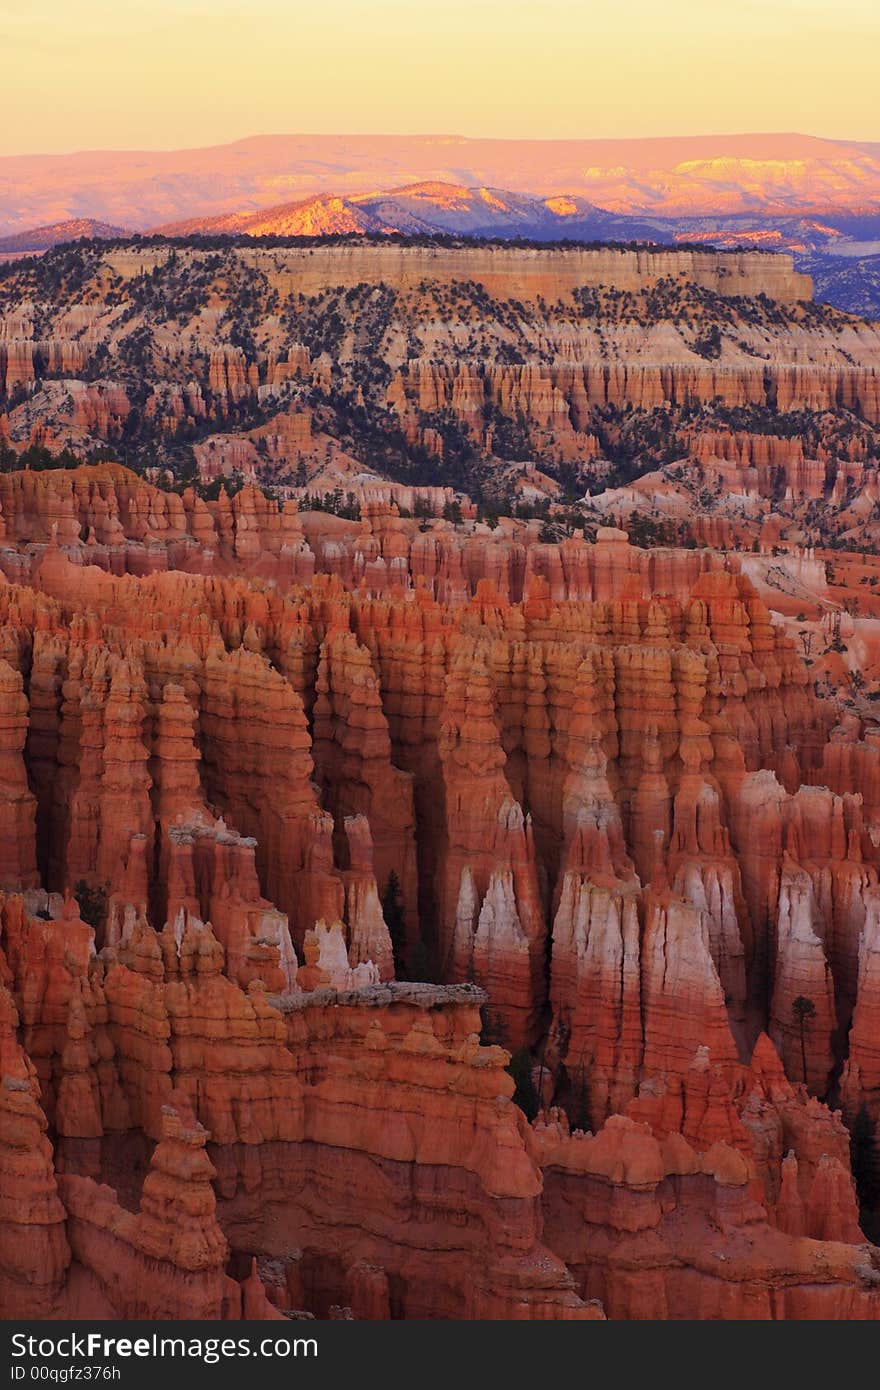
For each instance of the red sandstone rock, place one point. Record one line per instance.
(34, 1251)
(613, 767)
(17, 805)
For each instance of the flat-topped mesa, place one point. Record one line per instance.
(529, 272)
(535, 357)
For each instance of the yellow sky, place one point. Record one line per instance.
(171, 73)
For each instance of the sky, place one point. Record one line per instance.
(166, 74)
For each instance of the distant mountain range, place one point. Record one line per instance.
(432, 208)
(43, 238)
(691, 176)
(818, 199)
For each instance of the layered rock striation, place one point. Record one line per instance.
(472, 937)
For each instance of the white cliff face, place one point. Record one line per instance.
(502, 962)
(369, 938)
(682, 999)
(595, 992)
(333, 960)
(710, 889)
(363, 976)
(123, 922)
(274, 930)
(466, 915)
(332, 951)
(499, 927)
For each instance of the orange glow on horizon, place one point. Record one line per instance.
(174, 73)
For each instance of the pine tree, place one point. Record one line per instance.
(803, 1008)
